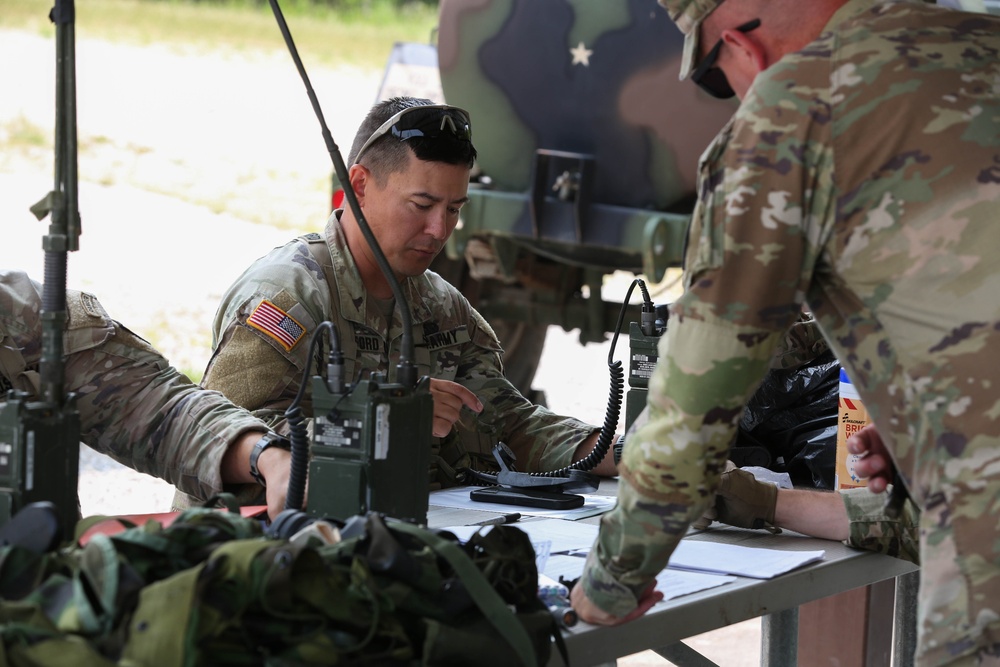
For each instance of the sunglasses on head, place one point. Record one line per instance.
(712, 79)
(431, 121)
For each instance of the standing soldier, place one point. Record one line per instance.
(860, 175)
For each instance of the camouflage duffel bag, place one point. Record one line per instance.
(212, 589)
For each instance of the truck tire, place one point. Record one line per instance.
(522, 351)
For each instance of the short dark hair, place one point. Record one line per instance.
(388, 154)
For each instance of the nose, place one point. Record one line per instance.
(438, 226)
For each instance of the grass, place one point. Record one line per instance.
(361, 38)
(325, 38)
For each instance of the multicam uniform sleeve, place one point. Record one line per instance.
(540, 439)
(262, 331)
(753, 248)
(873, 530)
(142, 412)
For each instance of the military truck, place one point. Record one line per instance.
(588, 149)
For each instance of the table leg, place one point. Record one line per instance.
(779, 638)
(904, 636)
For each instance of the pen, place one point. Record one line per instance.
(498, 520)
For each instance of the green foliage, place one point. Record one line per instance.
(359, 33)
(21, 133)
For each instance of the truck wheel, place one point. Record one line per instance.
(522, 350)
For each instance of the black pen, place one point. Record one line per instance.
(498, 520)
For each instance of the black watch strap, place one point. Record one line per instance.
(269, 440)
(616, 450)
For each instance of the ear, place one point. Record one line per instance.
(747, 49)
(359, 177)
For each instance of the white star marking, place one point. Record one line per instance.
(581, 55)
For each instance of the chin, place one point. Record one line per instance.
(413, 269)
(419, 264)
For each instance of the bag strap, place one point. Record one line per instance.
(320, 252)
(485, 596)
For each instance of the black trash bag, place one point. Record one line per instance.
(793, 418)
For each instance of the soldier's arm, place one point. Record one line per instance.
(870, 528)
(540, 439)
(854, 516)
(273, 463)
(749, 263)
(142, 412)
(810, 512)
(256, 363)
(606, 467)
(252, 374)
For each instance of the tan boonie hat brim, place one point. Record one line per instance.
(688, 15)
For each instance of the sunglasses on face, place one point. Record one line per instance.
(431, 121)
(712, 79)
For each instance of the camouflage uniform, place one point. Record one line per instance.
(259, 370)
(860, 175)
(133, 405)
(873, 530)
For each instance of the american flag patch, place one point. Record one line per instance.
(276, 323)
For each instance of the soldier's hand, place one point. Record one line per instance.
(591, 613)
(275, 464)
(449, 397)
(744, 502)
(875, 463)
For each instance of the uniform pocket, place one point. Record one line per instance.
(706, 233)
(441, 351)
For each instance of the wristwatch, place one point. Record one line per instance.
(269, 440)
(616, 450)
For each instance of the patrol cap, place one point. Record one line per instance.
(688, 15)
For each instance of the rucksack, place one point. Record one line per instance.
(213, 589)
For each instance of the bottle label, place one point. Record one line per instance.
(851, 418)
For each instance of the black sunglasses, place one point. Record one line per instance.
(432, 121)
(710, 78)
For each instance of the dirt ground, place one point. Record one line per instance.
(191, 165)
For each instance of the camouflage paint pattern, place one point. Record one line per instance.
(861, 176)
(586, 77)
(452, 342)
(133, 405)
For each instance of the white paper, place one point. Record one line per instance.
(562, 536)
(753, 562)
(675, 583)
(672, 583)
(569, 537)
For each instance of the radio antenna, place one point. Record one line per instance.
(406, 372)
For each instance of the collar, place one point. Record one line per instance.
(849, 10)
(354, 297)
